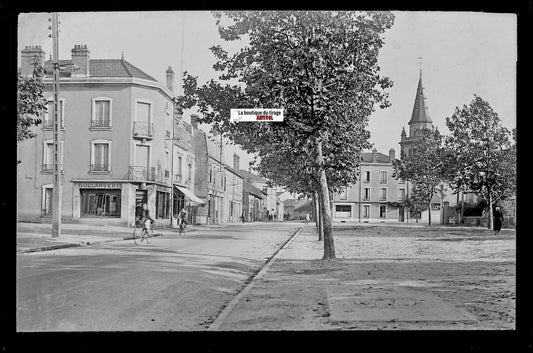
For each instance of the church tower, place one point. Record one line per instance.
(419, 119)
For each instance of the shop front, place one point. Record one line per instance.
(100, 200)
(186, 199)
(117, 202)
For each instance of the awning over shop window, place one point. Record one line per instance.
(189, 194)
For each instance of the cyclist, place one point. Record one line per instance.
(182, 216)
(145, 218)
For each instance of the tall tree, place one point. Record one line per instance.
(484, 158)
(30, 102)
(424, 167)
(321, 67)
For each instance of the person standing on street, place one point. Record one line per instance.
(498, 220)
(307, 218)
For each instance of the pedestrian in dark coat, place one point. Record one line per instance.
(498, 220)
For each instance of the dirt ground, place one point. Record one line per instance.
(467, 270)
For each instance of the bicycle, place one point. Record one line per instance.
(140, 232)
(182, 228)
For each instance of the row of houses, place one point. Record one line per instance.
(123, 143)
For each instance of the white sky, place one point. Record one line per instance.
(462, 53)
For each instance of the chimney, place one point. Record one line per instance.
(80, 58)
(170, 79)
(236, 161)
(194, 121)
(27, 56)
(392, 153)
(374, 155)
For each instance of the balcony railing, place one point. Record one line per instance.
(100, 168)
(143, 130)
(100, 123)
(140, 173)
(49, 124)
(49, 168)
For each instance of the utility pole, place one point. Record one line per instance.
(57, 190)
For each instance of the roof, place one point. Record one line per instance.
(420, 111)
(234, 171)
(255, 178)
(252, 190)
(380, 157)
(307, 206)
(103, 68)
(289, 202)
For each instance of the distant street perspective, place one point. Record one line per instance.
(266, 170)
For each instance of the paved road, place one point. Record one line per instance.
(175, 283)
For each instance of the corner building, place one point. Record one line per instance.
(116, 143)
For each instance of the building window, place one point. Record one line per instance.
(47, 201)
(100, 156)
(48, 121)
(225, 183)
(143, 126)
(343, 195)
(383, 176)
(101, 117)
(366, 194)
(366, 176)
(401, 194)
(48, 156)
(343, 211)
(366, 211)
(100, 203)
(382, 211)
(382, 194)
(143, 112)
(162, 201)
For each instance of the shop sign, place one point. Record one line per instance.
(100, 185)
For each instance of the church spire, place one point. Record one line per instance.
(420, 113)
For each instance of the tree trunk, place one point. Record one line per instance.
(457, 214)
(489, 223)
(320, 219)
(462, 206)
(429, 213)
(313, 196)
(329, 246)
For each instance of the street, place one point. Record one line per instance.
(385, 277)
(171, 284)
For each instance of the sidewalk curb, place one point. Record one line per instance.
(75, 245)
(219, 320)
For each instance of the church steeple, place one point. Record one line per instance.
(419, 119)
(420, 113)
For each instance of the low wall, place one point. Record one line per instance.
(477, 221)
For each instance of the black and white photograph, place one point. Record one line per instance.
(266, 170)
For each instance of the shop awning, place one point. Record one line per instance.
(189, 194)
